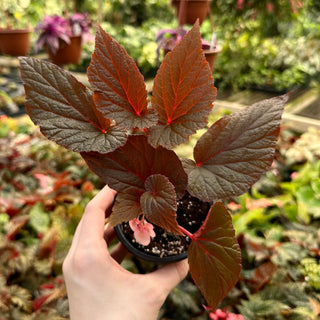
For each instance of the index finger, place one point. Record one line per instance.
(93, 220)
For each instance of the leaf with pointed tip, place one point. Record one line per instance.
(183, 92)
(214, 256)
(127, 207)
(120, 91)
(235, 151)
(129, 166)
(64, 109)
(159, 203)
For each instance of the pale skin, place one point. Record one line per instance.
(98, 286)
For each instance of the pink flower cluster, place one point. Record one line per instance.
(224, 315)
(142, 231)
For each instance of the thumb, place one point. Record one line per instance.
(170, 275)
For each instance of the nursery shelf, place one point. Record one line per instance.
(301, 112)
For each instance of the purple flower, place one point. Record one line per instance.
(167, 39)
(80, 24)
(51, 29)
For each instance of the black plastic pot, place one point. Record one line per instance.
(142, 254)
(191, 219)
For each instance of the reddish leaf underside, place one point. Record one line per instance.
(183, 92)
(39, 301)
(64, 109)
(214, 256)
(120, 91)
(129, 166)
(126, 208)
(262, 275)
(235, 151)
(15, 225)
(159, 203)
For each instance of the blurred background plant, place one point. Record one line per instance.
(270, 45)
(14, 14)
(45, 188)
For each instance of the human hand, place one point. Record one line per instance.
(98, 287)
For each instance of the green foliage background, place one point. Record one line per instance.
(276, 222)
(274, 49)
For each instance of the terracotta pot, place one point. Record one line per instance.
(67, 53)
(15, 42)
(211, 55)
(194, 9)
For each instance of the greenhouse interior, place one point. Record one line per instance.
(216, 110)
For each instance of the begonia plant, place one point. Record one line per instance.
(128, 142)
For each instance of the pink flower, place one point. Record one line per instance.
(224, 315)
(142, 231)
(218, 315)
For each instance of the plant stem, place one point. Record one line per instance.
(186, 232)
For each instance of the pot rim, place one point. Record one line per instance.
(10, 31)
(217, 49)
(143, 255)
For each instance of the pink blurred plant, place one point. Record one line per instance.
(240, 4)
(269, 6)
(45, 183)
(234, 206)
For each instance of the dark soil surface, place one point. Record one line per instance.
(190, 214)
